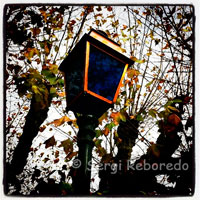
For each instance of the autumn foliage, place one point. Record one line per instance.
(151, 121)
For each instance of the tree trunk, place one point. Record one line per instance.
(34, 119)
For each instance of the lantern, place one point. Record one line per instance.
(93, 72)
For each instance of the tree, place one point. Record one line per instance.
(154, 111)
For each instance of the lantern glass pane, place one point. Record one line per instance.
(104, 73)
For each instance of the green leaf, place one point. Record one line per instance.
(110, 126)
(53, 90)
(98, 133)
(68, 146)
(123, 115)
(56, 48)
(139, 118)
(60, 82)
(153, 113)
(53, 80)
(118, 101)
(148, 84)
(98, 142)
(177, 101)
(47, 73)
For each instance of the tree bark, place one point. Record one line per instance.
(34, 119)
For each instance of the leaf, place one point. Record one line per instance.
(139, 22)
(59, 122)
(31, 52)
(154, 150)
(173, 108)
(159, 87)
(177, 101)
(56, 160)
(36, 90)
(148, 84)
(53, 80)
(138, 86)
(157, 41)
(136, 11)
(50, 142)
(149, 53)
(166, 91)
(9, 119)
(53, 90)
(132, 72)
(99, 8)
(56, 48)
(41, 129)
(68, 146)
(25, 107)
(116, 117)
(109, 8)
(110, 125)
(98, 133)
(187, 100)
(104, 116)
(151, 35)
(139, 117)
(61, 94)
(153, 113)
(174, 119)
(137, 60)
(168, 27)
(71, 155)
(171, 70)
(106, 131)
(101, 151)
(53, 68)
(35, 31)
(98, 142)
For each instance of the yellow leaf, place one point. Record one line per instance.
(132, 72)
(139, 22)
(138, 86)
(53, 68)
(149, 53)
(151, 35)
(137, 60)
(29, 95)
(36, 90)
(179, 16)
(173, 108)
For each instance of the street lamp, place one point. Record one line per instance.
(93, 71)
